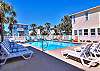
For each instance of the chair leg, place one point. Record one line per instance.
(83, 63)
(90, 63)
(67, 56)
(95, 61)
(4, 59)
(27, 57)
(2, 63)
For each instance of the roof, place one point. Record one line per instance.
(93, 9)
(20, 24)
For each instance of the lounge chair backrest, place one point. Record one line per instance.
(98, 48)
(85, 52)
(94, 47)
(86, 48)
(7, 45)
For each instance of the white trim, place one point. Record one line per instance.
(85, 10)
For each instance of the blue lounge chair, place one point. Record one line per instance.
(11, 49)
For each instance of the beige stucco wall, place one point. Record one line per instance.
(92, 22)
(99, 19)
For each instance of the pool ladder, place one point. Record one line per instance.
(44, 48)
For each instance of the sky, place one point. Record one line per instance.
(42, 11)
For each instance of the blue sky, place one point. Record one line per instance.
(42, 11)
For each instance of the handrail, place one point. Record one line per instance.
(44, 48)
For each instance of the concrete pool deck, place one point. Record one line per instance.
(40, 61)
(57, 54)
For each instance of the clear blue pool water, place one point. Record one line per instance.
(52, 45)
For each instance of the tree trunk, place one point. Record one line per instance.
(1, 32)
(11, 32)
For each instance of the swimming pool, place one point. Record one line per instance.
(52, 45)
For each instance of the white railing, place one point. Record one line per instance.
(51, 37)
(33, 38)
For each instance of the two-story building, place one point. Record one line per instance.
(86, 24)
(20, 30)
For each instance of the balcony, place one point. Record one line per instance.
(20, 29)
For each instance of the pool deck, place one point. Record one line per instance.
(40, 61)
(57, 53)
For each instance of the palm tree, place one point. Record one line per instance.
(60, 28)
(12, 21)
(41, 29)
(33, 28)
(6, 11)
(56, 30)
(47, 27)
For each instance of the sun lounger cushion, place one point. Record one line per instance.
(14, 50)
(13, 47)
(28, 52)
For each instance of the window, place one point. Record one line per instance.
(75, 32)
(80, 32)
(14, 27)
(21, 33)
(18, 26)
(74, 19)
(86, 15)
(92, 31)
(70, 17)
(98, 31)
(85, 31)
